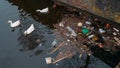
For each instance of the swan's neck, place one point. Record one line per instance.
(39, 10)
(25, 33)
(10, 22)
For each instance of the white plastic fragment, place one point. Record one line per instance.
(68, 40)
(101, 30)
(61, 24)
(54, 42)
(79, 24)
(48, 60)
(40, 44)
(56, 64)
(91, 36)
(88, 23)
(80, 55)
(114, 33)
(72, 31)
(116, 29)
(116, 39)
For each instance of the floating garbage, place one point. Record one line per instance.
(116, 29)
(48, 60)
(91, 36)
(88, 23)
(77, 37)
(85, 31)
(114, 33)
(101, 31)
(61, 24)
(79, 24)
(72, 31)
(54, 43)
(107, 25)
(116, 39)
(80, 55)
(100, 45)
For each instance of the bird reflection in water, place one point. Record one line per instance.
(34, 39)
(29, 42)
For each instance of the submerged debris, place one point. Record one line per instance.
(48, 60)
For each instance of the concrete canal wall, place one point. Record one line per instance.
(108, 9)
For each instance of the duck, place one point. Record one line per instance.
(29, 30)
(14, 24)
(45, 10)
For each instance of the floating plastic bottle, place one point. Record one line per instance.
(54, 43)
(88, 23)
(101, 30)
(116, 29)
(85, 31)
(91, 36)
(72, 31)
(48, 60)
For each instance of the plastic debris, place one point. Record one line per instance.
(84, 27)
(116, 29)
(95, 38)
(90, 33)
(100, 45)
(101, 31)
(107, 25)
(80, 55)
(91, 36)
(89, 54)
(61, 24)
(68, 40)
(48, 60)
(79, 24)
(40, 44)
(114, 33)
(85, 31)
(54, 43)
(88, 23)
(56, 64)
(116, 39)
(72, 31)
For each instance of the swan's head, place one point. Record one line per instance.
(38, 10)
(9, 21)
(25, 33)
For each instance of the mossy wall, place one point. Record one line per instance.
(109, 9)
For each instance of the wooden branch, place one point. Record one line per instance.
(60, 45)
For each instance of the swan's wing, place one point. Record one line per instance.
(31, 29)
(44, 10)
(17, 23)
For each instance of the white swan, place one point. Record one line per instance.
(14, 24)
(45, 10)
(29, 30)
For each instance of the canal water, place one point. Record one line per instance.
(18, 51)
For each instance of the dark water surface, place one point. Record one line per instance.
(18, 51)
(15, 49)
